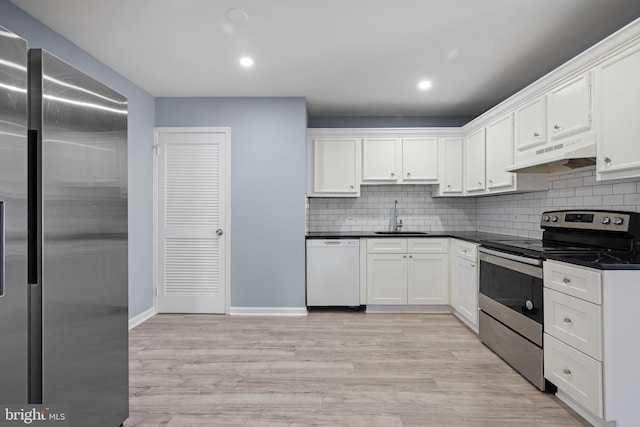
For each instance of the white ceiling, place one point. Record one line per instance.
(346, 57)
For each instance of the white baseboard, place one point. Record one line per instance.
(408, 309)
(471, 326)
(142, 317)
(268, 311)
(589, 417)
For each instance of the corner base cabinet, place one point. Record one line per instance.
(591, 345)
(464, 282)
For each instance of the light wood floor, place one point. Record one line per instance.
(327, 369)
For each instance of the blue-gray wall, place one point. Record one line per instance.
(268, 187)
(141, 122)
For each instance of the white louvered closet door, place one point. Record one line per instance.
(191, 222)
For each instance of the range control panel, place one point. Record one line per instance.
(587, 220)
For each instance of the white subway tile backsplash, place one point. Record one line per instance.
(516, 214)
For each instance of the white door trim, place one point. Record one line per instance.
(227, 190)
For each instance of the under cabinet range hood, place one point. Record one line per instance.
(558, 156)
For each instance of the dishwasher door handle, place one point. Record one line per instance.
(332, 243)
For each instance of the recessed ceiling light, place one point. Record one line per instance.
(237, 16)
(424, 85)
(246, 62)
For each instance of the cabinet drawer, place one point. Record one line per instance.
(584, 283)
(428, 246)
(387, 246)
(467, 250)
(574, 321)
(575, 373)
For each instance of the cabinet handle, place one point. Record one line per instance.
(351, 187)
(410, 256)
(556, 128)
(392, 175)
(472, 265)
(566, 280)
(448, 187)
(567, 320)
(404, 256)
(490, 181)
(536, 135)
(566, 371)
(408, 174)
(607, 162)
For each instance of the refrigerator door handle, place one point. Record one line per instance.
(33, 195)
(1, 249)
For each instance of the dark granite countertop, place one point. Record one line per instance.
(602, 260)
(471, 236)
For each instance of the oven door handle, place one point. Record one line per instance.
(510, 264)
(512, 257)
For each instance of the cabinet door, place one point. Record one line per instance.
(428, 279)
(335, 170)
(570, 107)
(618, 103)
(451, 166)
(499, 153)
(475, 162)
(464, 291)
(530, 128)
(379, 159)
(420, 159)
(386, 279)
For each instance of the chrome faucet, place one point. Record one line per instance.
(397, 225)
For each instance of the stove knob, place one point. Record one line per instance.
(529, 305)
(554, 218)
(617, 221)
(605, 220)
(546, 218)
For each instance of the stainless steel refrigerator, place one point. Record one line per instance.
(63, 238)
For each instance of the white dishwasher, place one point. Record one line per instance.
(333, 272)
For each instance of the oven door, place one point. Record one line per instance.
(511, 292)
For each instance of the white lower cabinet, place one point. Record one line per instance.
(386, 278)
(418, 275)
(464, 282)
(591, 346)
(427, 281)
(573, 333)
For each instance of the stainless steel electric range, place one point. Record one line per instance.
(511, 279)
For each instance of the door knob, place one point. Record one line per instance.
(219, 232)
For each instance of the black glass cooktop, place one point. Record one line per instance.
(537, 248)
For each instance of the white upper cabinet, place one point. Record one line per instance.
(499, 153)
(474, 161)
(618, 111)
(400, 160)
(333, 167)
(569, 107)
(420, 160)
(450, 149)
(379, 159)
(530, 128)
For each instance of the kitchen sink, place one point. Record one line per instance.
(400, 232)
